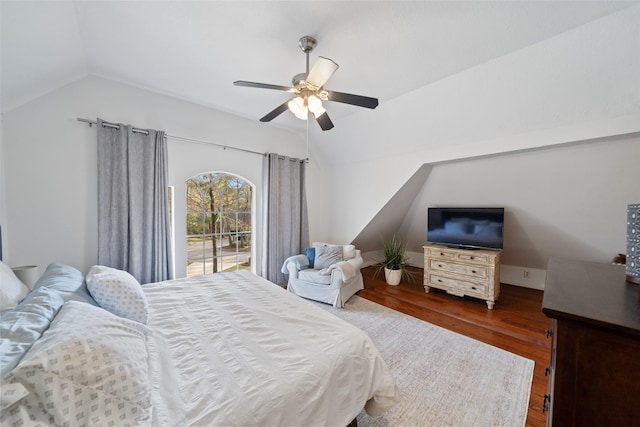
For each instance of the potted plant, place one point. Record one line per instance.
(395, 262)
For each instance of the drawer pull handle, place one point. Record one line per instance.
(439, 265)
(547, 371)
(545, 403)
(473, 271)
(441, 254)
(473, 287)
(470, 257)
(549, 333)
(440, 280)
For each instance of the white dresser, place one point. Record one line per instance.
(471, 272)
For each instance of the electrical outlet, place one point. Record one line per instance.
(526, 274)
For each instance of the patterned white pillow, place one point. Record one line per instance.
(89, 368)
(119, 292)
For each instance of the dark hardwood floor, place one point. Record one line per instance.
(516, 323)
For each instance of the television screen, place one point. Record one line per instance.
(466, 227)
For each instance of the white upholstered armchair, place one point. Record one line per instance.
(327, 273)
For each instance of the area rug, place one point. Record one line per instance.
(443, 378)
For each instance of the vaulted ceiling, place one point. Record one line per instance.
(195, 50)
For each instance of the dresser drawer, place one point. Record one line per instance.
(457, 287)
(478, 272)
(473, 258)
(443, 254)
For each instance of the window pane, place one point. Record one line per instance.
(218, 224)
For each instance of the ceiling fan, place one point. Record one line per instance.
(308, 90)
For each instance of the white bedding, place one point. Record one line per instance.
(90, 368)
(235, 349)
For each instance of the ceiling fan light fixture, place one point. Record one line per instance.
(315, 104)
(302, 114)
(319, 111)
(308, 90)
(298, 107)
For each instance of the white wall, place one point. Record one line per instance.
(3, 207)
(547, 94)
(569, 202)
(577, 86)
(50, 161)
(580, 86)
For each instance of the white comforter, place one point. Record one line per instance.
(234, 349)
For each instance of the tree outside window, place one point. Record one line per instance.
(218, 223)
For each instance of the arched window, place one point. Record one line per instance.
(218, 223)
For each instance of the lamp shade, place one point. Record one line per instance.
(315, 105)
(319, 111)
(298, 107)
(28, 274)
(302, 114)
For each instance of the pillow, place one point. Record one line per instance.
(89, 368)
(348, 252)
(311, 255)
(301, 262)
(25, 324)
(67, 281)
(12, 290)
(119, 292)
(326, 256)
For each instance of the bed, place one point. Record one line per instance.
(223, 349)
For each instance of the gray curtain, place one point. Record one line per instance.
(133, 211)
(285, 219)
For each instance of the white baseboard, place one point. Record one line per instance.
(509, 274)
(523, 276)
(416, 259)
(371, 258)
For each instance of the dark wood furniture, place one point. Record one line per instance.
(595, 351)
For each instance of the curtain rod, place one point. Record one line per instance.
(180, 138)
(111, 125)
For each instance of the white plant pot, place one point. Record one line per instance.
(392, 276)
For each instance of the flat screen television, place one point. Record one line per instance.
(466, 227)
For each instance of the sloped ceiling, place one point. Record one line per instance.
(195, 50)
(386, 223)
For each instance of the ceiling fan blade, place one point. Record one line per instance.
(263, 86)
(324, 121)
(321, 71)
(275, 113)
(347, 98)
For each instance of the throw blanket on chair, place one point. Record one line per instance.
(348, 272)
